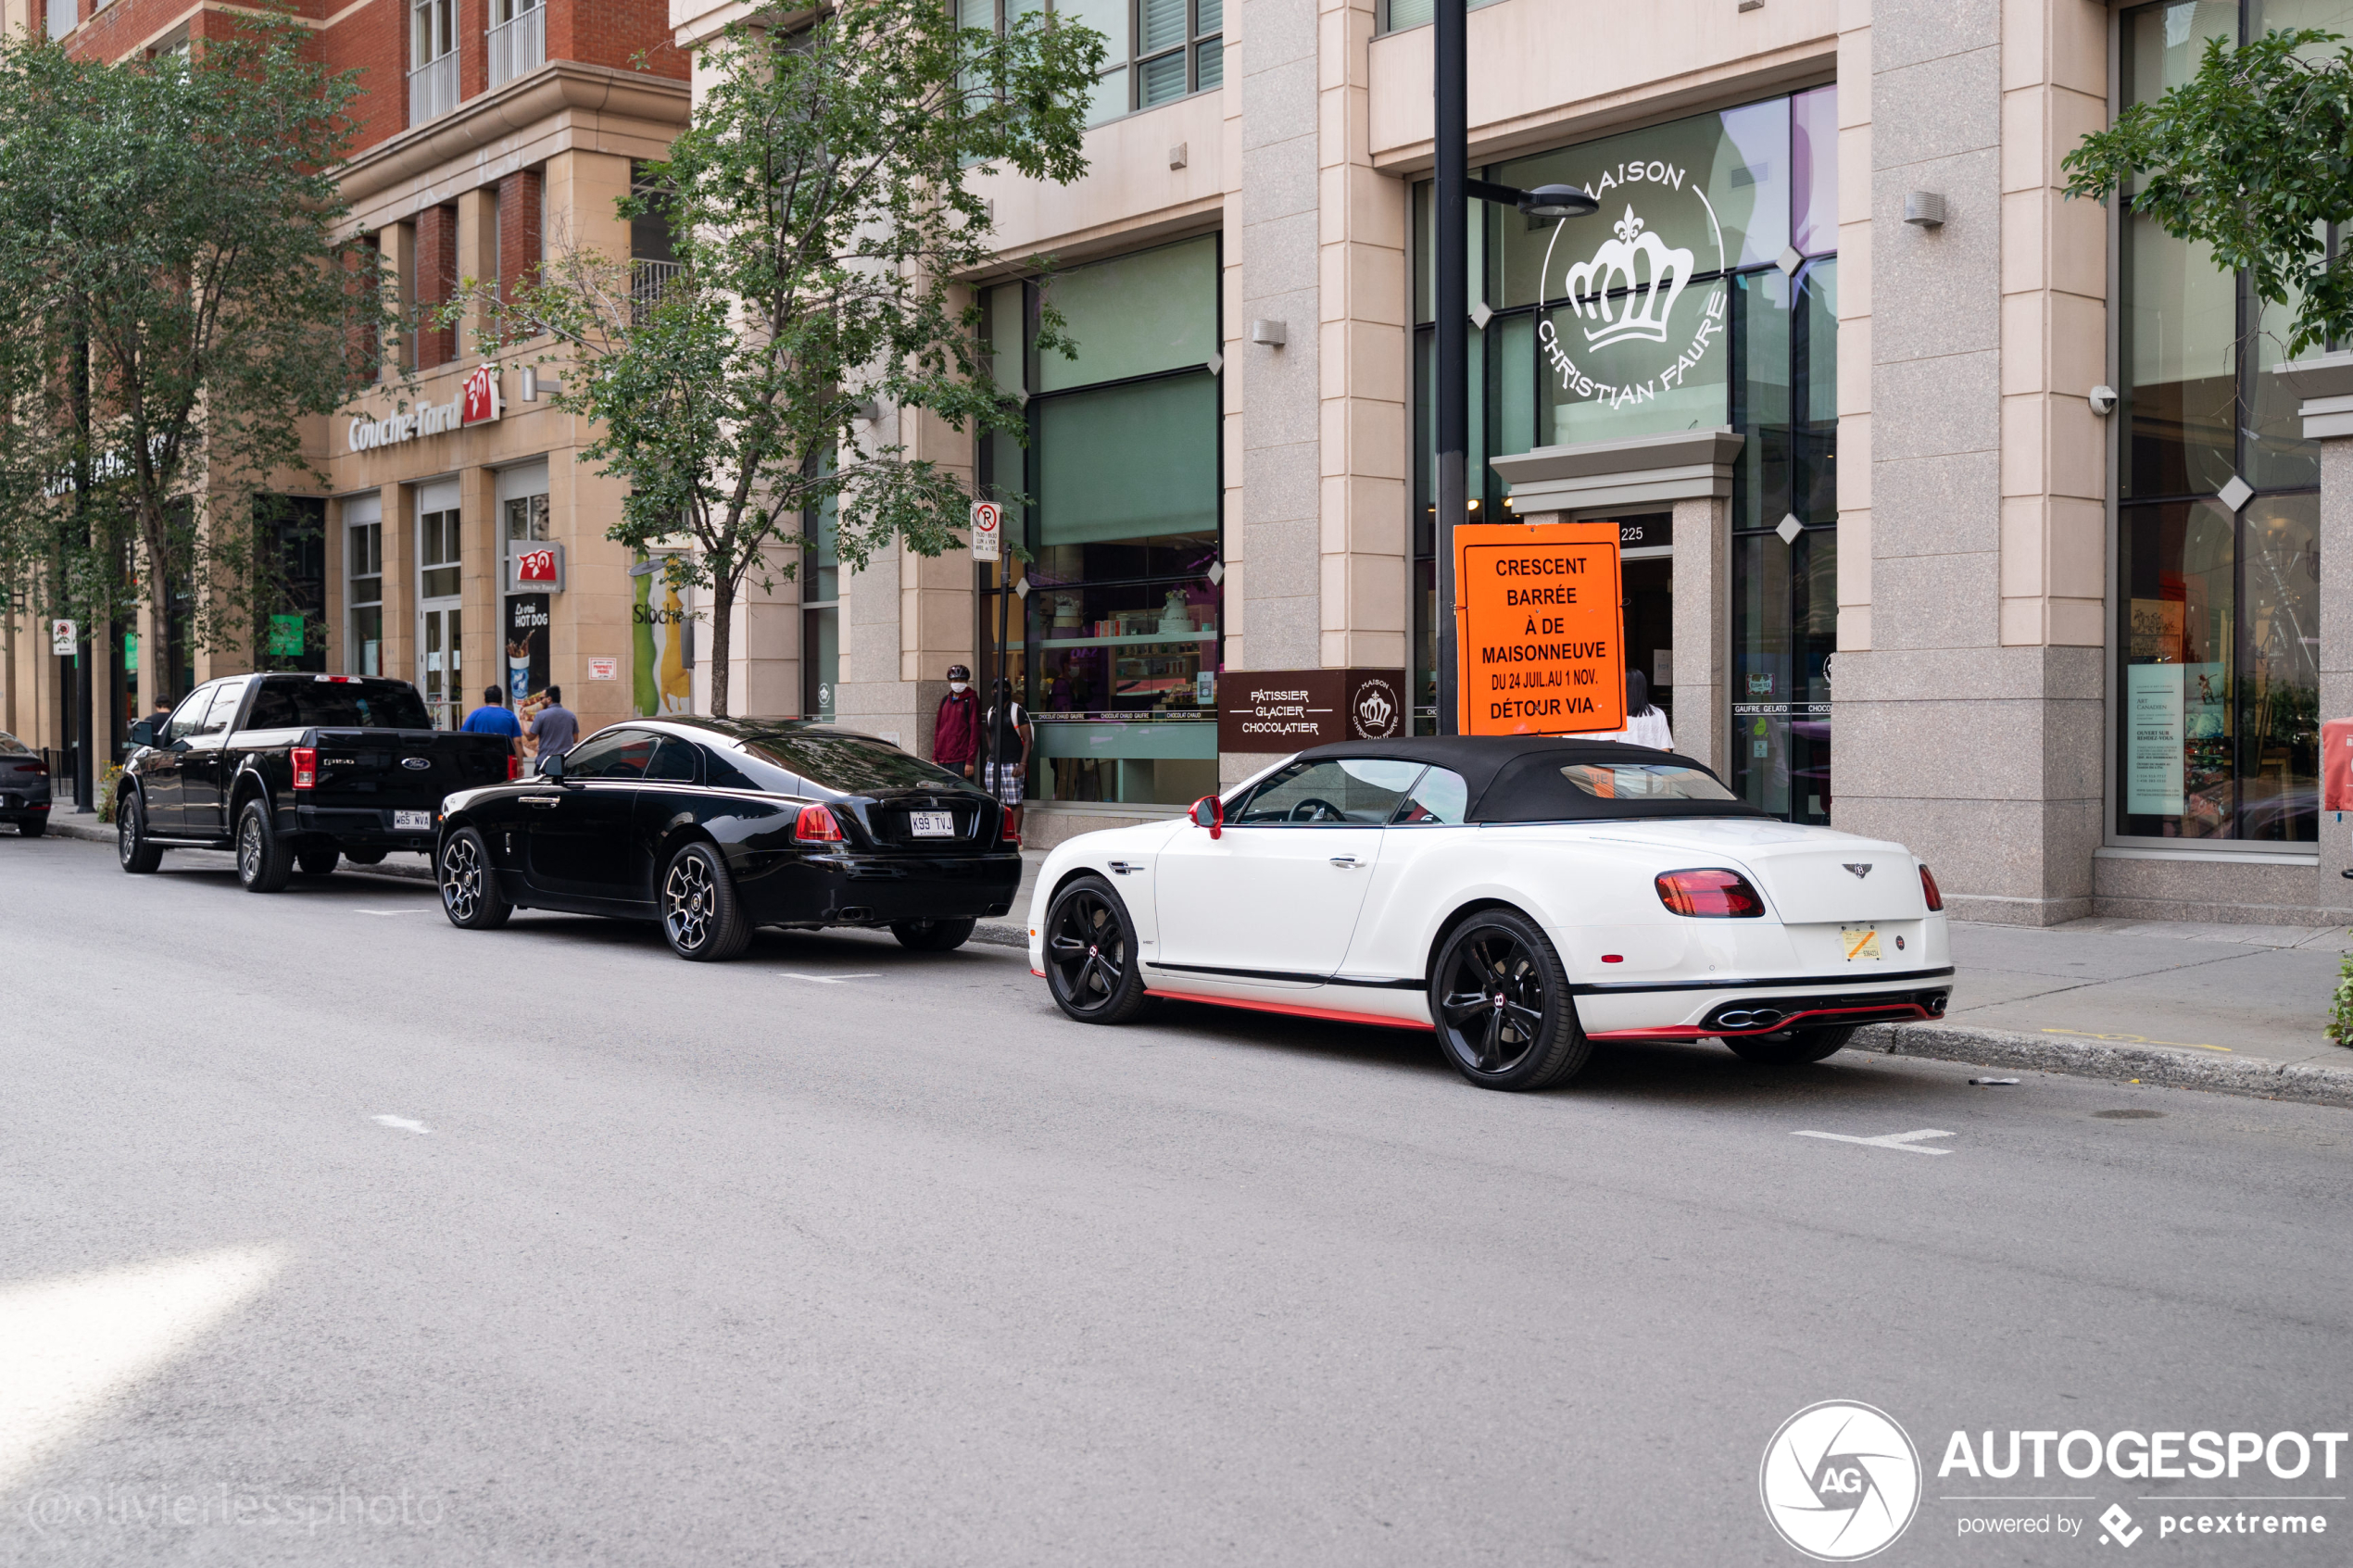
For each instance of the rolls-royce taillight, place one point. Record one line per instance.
(1710, 895)
(817, 825)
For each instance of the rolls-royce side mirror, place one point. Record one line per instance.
(1210, 812)
(143, 732)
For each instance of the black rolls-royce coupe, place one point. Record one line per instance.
(716, 827)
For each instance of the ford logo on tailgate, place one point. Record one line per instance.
(419, 763)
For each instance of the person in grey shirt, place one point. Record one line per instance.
(557, 727)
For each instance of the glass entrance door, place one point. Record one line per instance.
(440, 641)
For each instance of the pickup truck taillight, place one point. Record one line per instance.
(514, 767)
(817, 826)
(306, 767)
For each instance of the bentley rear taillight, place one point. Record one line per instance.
(306, 767)
(1928, 891)
(817, 825)
(1710, 895)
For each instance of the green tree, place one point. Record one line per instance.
(2252, 156)
(176, 300)
(822, 213)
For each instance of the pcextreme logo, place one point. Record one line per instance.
(1840, 1481)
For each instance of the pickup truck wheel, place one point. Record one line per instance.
(318, 862)
(263, 861)
(470, 895)
(131, 843)
(932, 936)
(365, 857)
(700, 914)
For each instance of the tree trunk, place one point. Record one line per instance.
(723, 616)
(164, 657)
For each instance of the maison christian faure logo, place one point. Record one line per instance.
(1626, 293)
(1375, 709)
(1840, 1481)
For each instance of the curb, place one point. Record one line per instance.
(2256, 1076)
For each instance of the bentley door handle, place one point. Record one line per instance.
(1346, 862)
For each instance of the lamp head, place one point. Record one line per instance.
(1557, 201)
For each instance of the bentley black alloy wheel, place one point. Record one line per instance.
(469, 893)
(1501, 1001)
(1090, 954)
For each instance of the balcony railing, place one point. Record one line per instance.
(647, 280)
(519, 46)
(433, 89)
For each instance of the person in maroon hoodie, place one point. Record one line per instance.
(955, 734)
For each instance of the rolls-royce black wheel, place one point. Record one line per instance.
(1090, 954)
(1501, 1001)
(32, 827)
(1790, 1047)
(699, 911)
(263, 861)
(469, 893)
(932, 936)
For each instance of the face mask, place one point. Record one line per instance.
(959, 687)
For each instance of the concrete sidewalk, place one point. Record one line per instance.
(2234, 1008)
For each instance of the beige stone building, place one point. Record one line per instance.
(1952, 510)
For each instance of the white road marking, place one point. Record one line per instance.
(1908, 1142)
(825, 979)
(406, 1125)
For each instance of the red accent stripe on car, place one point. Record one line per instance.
(1334, 1015)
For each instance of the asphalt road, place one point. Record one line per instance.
(330, 1233)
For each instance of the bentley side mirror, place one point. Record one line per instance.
(1210, 812)
(552, 767)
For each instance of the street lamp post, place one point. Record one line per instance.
(1453, 188)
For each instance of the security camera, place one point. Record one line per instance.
(2102, 400)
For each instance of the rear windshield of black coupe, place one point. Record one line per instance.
(336, 704)
(849, 766)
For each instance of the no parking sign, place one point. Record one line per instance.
(989, 531)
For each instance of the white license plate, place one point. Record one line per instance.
(932, 824)
(412, 822)
(1860, 943)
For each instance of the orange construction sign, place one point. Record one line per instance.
(1538, 628)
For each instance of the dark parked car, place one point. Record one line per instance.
(714, 826)
(24, 788)
(297, 770)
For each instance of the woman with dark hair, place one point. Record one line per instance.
(1006, 727)
(1645, 726)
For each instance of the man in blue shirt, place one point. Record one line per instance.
(492, 718)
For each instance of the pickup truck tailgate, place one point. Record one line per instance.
(403, 770)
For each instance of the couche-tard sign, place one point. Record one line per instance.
(476, 401)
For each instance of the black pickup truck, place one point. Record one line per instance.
(297, 770)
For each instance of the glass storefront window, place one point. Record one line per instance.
(1116, 619)
(363, 568)
(1703, 293)
(2217, 691)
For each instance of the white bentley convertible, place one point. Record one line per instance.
(1524, 897)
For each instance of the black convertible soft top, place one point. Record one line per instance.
(1518, 778)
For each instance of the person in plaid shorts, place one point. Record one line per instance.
(1007, 724)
